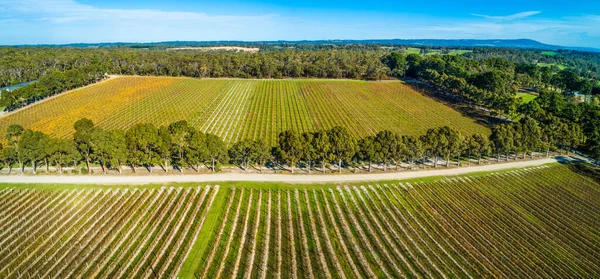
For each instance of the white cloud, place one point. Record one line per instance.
(69, 11)
(66, 21)
(510, 17)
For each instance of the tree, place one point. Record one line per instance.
(117, 149)
(397, 63)
(181, 136)
(400, 151)
(260, 152)
(109, 148)
(9, 157)
(367, 150)
(573, 136)
(308, 149)
(241, 153)
(414, 149)
(83, 135)
(99, 143)
(322, 148)
(343, 145)
(518, 144)
(197, 151)
(387, 144)
(595, 153)
(451, 143)
(13, 136)
(33, 147)
(164, 147)
(289, 148)
(217, 151)
(431, 144)
(142, 142)
(531, 135)
(61, 152)
(479, 144)
(502, 139)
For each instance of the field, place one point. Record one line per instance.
(238, 109)
(412, 50)
(222, 48)
(560, 67)
(526, 97)
(541, 222)
(115, 233)
(549, 53)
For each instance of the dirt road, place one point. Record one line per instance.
(255, 177)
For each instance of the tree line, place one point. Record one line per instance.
(49, 84)
(491, 83)
(179, 146)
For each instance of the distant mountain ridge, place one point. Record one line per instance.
(500, 43)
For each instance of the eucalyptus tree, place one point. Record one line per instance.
(32, 147)
(343, 145)
(181, 139)
(479, 144)
(164, 147)
(309, 152)
(413, 149)
(387, 146)
(142, 142)
(531, 135)
(61, 152)
(518, 143)
(451, 143)
(575, 137)
(502, 139)
(289, 148)
(13, 136)
(216, 150)
(84, 129)
(433, 143)
(99, 143)
(322, 148)
(196, 151)
(241, 153)
(116, 149)
(9, 157)
(260, 152)
(367, 150)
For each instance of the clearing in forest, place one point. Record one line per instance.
(237, 109)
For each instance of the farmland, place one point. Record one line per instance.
(540, 222)
(115, 233)
(244, 109)
(534, 222)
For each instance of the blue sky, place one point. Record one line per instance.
(71, 21)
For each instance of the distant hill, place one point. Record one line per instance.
(469, 43)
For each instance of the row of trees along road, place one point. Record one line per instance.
(181, 146)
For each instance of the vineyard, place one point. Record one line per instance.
(540, 222)
(119, 233)
(244, 109)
